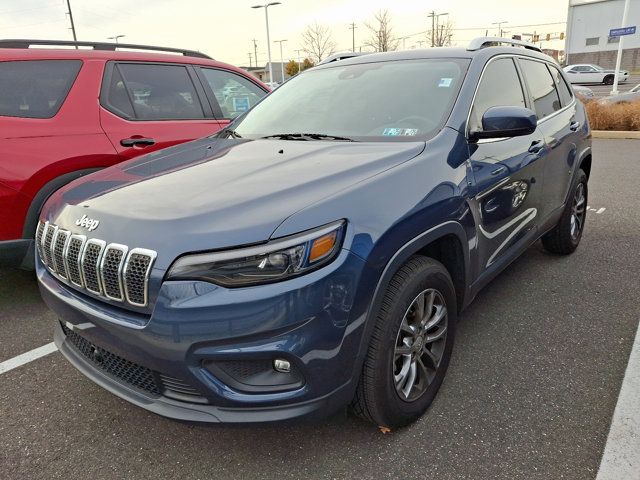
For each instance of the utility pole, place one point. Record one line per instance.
(255, 51)
(299, 63)
(281, 58)
(353, 27)
(250, 63)
(73, 27)
(625, 14)
(434, 22)
(499, 24)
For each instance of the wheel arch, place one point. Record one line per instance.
(33, 213)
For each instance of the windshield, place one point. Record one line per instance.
(383, 101)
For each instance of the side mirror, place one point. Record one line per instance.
(501, 122)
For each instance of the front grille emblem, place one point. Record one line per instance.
(88, 223)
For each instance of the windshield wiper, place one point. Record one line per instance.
(309, 136)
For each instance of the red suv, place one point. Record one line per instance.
(68, 112)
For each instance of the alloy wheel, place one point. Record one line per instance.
(420, 344)
(578, 211)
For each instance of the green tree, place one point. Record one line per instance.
(307, 63)
(291, 68)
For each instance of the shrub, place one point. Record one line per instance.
(617, 116)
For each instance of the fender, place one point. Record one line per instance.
(392, 266)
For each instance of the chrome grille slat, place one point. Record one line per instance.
(112, 271)
(90, 263)
(47, 240)
(39, 232)
(72, 257)
(136, 275)
(58, 247)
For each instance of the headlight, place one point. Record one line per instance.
(274, 261)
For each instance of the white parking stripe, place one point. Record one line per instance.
(27, 357)
(621, 458)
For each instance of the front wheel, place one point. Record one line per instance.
(410, 347)
(565, 236)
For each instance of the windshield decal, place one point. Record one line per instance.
(400, 132)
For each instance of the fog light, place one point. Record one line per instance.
(281, 365)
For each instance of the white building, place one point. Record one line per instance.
(588, 26)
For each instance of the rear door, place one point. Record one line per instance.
(230, 94)
(148, 106)
(556, 110)
(508, 171)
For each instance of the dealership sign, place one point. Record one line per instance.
(618, 32)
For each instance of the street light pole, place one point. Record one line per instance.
(281, 58)
(266, 18)
(625, 14)
(115, 38)
(299, 62)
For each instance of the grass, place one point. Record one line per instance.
(618, 116)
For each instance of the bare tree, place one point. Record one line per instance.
(442, 34)
(317, 41)
(382, 38)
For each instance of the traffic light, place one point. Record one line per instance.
(536, 38)
(548, 37)
(561, 35)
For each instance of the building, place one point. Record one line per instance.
(588, 26)
(262, 73)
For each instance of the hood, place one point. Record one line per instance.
(216, 193)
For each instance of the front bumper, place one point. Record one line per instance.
(314, 321)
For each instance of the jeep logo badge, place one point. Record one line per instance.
(88, 223)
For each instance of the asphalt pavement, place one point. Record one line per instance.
(601, 91)
(530, 393)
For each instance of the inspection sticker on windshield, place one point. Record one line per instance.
(445, 82)
(400, 132)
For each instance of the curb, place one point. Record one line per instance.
(614, 134)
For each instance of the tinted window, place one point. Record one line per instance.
(35, 88)
(563, 89)
(117, 97)
(234, 94)
(541, 87)
(500, 87)
(380, 101)
(155, 92)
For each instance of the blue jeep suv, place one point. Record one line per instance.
(318, 252)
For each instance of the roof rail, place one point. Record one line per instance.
(483, 42)
(25, 43)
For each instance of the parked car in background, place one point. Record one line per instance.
(68, 112)
(589, 73)
(310, 255)
(632, 95)
(583, 92)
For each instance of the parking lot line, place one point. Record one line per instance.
(27, 357)
(621, 458)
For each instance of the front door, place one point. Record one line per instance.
(508, 172)
(149, 106)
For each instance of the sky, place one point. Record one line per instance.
(225, 29)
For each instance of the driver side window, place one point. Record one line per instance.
(499, 87)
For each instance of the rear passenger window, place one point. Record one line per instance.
(541, 86)
(564, 91)
(234, 94)
(35, 88)
(499, 87)
(153, 92)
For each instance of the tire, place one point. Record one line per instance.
(377, 397)
(564, 238)
(608, 80)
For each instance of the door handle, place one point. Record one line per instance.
(499, 170)
(133, 142)
(536, 146)
(574, 126)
